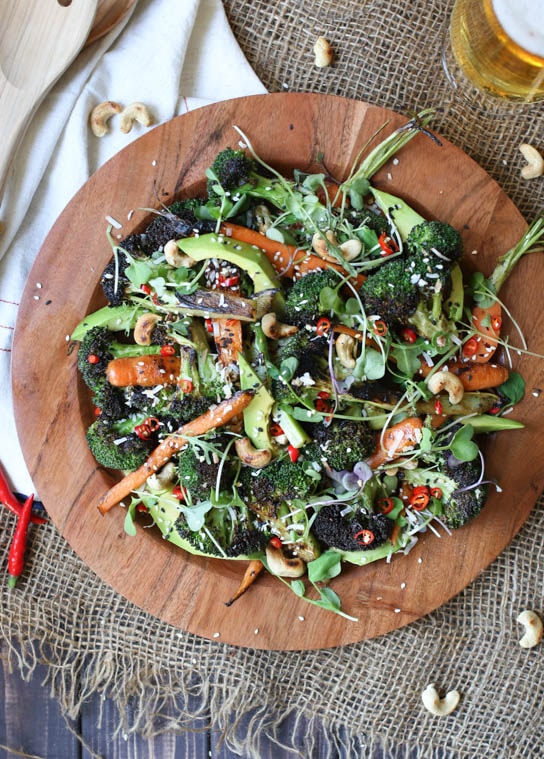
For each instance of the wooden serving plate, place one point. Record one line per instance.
(53, 408)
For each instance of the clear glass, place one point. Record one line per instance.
(503, 58)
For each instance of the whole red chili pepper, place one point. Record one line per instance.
(16, 558)
(11, 503)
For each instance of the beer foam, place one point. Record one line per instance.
(523, 21)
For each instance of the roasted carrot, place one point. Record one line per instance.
(288, 260)
(146, 371)
(479, 376)
(254, 569)
(395, 440)
(487, 322)
(210, 420)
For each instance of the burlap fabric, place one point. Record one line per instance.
(388, 52)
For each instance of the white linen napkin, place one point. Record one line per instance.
(174, 56)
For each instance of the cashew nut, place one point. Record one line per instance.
(251, 456)
(440, 707)
(345, 350)
(535, 161)
(263, 218)
(319, 244)
(175, 257)
(160, 480)
(351, 249)
(450, 383)
(100, 116)
(143, 329)
(283, 566)
(533, 628)
(276, 329)
(135, 112)
(323, 52)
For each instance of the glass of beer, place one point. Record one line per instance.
(499, 46)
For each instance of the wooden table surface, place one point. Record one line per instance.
(31, 725)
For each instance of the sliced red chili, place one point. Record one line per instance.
(408, 335)
(496, 323)
(185, 385)
(470, 347)
(178, 492)
(438, 407)
(209, 325)
(420, 497)
(385, 505)
(142, 508)
(293, 452)
(275, 542)
(167, 350)
(275, 429)
(228, 281)
(153, 423)
(436, 493)
(323, 394)
(145, 289)
(92, 358)
(155, 299)
(97, 411)
(387, 244)
(143, 431)
(380, 328)
(323, 326)
(322, 405)
(365, 537)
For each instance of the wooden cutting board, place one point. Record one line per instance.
(53, 407)
(109, 13)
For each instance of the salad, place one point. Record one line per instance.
(296, 373)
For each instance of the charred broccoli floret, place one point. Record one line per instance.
(356, 531)
(93, 356)
(439, 239)
(199, 470)
(231, 169)
(308, 349)
(462, 497)
(302, 304)
(282, 480)
(117, 446)
(344, 443)
(390, 293)
(226, 533)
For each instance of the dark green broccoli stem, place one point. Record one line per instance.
(531, 242)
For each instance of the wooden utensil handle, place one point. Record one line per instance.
(16, 110)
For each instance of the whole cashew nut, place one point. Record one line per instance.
(345, 350)
(533, 628)
(351, 249)
(276, 329)
(135, 112)
(323, 52)
(283, 566)
(440, 707)
(535, 162)
(319, 245)
(251, 456)
(100, 116)
(450, 383)
(143, 329)
(175, 257)
(161, 479)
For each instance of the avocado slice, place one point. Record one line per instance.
(241, 254)
(257, 414)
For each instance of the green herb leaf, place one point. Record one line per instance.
(513, 388)
(129, 526)
(298, 588)
(325, 567)
(462, 446)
